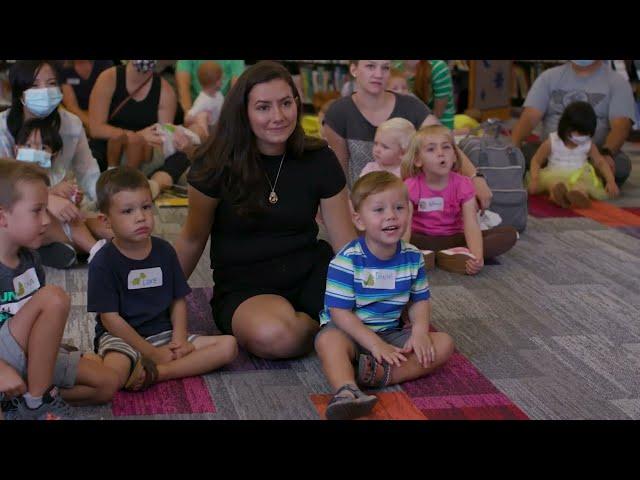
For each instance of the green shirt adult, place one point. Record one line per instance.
(441, 87)
(230, 69)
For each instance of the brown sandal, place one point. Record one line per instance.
(369, 369)
(150, 377)
(343, 407)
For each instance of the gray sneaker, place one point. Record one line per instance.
(53, 408)
(58, 255)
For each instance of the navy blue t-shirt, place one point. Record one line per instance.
(141, 291)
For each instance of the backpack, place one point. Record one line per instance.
(503, 166)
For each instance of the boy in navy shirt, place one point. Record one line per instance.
(137, 288)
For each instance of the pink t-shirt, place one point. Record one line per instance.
(374, 167)
(439, 212)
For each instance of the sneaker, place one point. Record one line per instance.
(53, 408)
(454, 259)
(429, 259)
(58, 255)
(98, 245)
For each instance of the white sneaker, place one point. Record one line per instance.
(98, 245)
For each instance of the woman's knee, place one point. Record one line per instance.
(276, 339)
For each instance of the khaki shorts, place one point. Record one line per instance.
(393, 336)
(64, 373)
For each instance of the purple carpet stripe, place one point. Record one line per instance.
(188, 395)
(633, 231)
(199, 312)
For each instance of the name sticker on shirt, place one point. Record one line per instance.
(73, 81)
(145, 278)
(435, 204)
(382, 279)
(26, 284)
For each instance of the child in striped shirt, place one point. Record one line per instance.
(369, 283)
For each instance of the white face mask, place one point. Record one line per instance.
(42, 101)
(580, 139)
(32, 155)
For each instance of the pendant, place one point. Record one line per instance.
(273, 198)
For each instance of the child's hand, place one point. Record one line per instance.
(474, 265)
(181, 141)
(11, 384)
(63, 189)
(612, 189)
(533, 186)
(390, 354)
(63, 209)
(420, 343)
(163, 355)
(181, 347)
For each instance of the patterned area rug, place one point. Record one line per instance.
(457, 391)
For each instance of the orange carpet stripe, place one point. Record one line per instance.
(609, 215)
(390, 406)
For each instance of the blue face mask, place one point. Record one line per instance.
(32, 155)
(583, 63)
(42, 101)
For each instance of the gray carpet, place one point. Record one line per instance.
(555, 325)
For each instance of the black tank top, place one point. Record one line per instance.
(135, 115)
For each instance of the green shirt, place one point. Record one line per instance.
(441, 87)
(230, 68)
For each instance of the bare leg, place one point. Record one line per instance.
(95, 383)
(138, 152)
(121, 365)
(210, 354)
(81, 236)
(411, 369)
(38, 327)
(98, 228)
(115, 147)
(336, 352)
(54, 232)
(268, 327)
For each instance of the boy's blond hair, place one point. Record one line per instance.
(396, 73)
(12, 173)
(402, 129)
(209, 73)
(118, 180)
(374, 182)
(408, 168)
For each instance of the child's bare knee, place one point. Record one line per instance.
(55, 298)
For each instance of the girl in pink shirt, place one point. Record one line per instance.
(444, 217)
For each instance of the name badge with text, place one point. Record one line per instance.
(26, 284)
(145, 278)
(382, 279)
(435, 204)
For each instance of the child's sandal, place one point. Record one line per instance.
(343, 407)
(150, 377)
(578, 199)
(369, 369)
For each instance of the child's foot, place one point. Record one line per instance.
(57, 255)
(349, 402)
(454, 259)
(371, 373)
(53, 407)
(578, 199)
(429, 259)
(558, 195)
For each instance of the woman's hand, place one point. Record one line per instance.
(151, 136)
(63, 209)
(63, 189)
(182, 141)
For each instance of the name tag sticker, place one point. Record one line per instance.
(381, 279)
(26, 284)
(145, 278)
(73, 81)
(435, 204)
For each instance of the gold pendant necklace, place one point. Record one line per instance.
(273, 196)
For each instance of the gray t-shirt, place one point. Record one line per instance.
(17, 285)
(346, 120)
(608, 93)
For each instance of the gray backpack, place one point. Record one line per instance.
(503, 166)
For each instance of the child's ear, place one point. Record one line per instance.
(3, 218)
(357, 220)
(102, 218)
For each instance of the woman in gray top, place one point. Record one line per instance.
(350, 123)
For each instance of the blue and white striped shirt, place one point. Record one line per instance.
(375, 290)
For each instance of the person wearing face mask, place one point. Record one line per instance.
(125, 105)
(569, 178)
(36, 95)
(592, 81)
